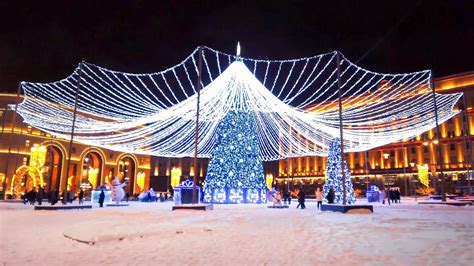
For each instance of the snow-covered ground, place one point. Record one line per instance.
(151, 234)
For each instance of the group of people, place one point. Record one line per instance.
(152, 196)
(37, 195)
(33, 196)
(391, 195)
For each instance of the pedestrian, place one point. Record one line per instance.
(39, 195)
(331, 195)
(53, 196)
(397, 195)
(32, 197)
(101, 198)
(81, 196)
(386, 195)
(64, 200)
(127, 195)
(319, 197)
(301, 199)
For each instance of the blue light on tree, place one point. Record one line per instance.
(334, 175)
(235, 166)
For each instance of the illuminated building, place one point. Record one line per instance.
(30, 158)
(397, 164)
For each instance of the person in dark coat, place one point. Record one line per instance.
(54, 197)
(81, 196)
(301, 199)
(101, 198)
(387, 196)
(39, 196)
(32, 197)
(65, 196)
(331, 195)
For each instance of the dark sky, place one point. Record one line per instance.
(43, 41)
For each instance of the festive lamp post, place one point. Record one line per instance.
(196, 139)
(385, 156)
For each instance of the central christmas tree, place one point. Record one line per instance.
(334, 175)
(235, 172)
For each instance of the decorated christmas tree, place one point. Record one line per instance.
(235, 161)
(334, 175)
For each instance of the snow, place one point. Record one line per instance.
(400, 234)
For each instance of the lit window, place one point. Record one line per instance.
(27, 143)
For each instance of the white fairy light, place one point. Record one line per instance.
(294, 103)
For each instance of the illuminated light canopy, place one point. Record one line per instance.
(294, 103)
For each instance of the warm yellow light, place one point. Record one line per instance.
(175, 176)
(141, 180)
(435, 141)
(425, 143)
(386, 155)
(92, 176)
(423, 174)
(269, 181)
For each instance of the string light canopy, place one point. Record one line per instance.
(293, 102)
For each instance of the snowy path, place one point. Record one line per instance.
(401, 234)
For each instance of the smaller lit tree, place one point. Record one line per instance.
(334, 175)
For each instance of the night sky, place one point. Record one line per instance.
(42, 41)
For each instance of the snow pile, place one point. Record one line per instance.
(400, 234)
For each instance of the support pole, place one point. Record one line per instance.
(467, 141)
(74, 114)
(4, 183)
(438, 137)
(339, 86)
(404, 168)
(196, 136)
(366, 171)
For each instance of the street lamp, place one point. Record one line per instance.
(414, 181)
(385, 156)
(430, 143)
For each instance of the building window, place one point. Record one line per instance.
(392, 153)
(73, 150)
(27, 143)
(454, 159)
(426, 161)
(413, 150)
(356, 155)
(425, 149)
(452, 147)
(450, 121)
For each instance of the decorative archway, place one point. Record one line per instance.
(91, 168)
(25, 178)
(127, 165)
(54, 165)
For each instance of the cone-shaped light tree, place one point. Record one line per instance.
(235, 162)
(334, 175)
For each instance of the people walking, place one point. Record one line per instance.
(331, 195)
(301, 199)
(81, 196)
(319, 197)
(39, 195)
(101, 198)
(386, 196)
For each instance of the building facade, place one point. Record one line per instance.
(30, 158)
